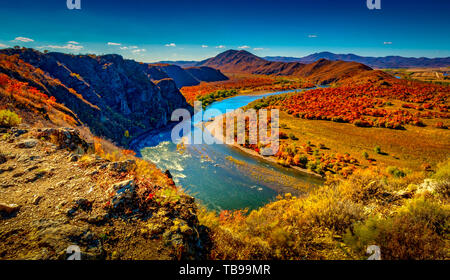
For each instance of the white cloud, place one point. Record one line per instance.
(387, 43)
(220, 47)
(134, 49)
(244, 47)
(204, 46)
(3, 45)
(171, 45)
(258, 49)
(113, 44)
(67, 47)
(312, 36)
(24, 39)
(73, 43)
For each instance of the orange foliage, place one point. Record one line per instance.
(365, 105)
(247, 83)
(15, 88)
(129, 152)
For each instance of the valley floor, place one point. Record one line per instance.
(410, 148)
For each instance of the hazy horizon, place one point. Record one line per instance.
(151, 31)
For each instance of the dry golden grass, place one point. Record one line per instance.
(410, 148)
(422, 74)
(341, 219)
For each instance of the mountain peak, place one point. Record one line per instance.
(230, 59)
(232, 51)
(238, 54)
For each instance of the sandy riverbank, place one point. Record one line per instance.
(211, 128)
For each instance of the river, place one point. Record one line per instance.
(222, 177)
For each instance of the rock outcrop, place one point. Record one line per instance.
(190, 76)
(206, 74)
(51, 206)
(108, 93)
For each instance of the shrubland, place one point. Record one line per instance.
(9, 119)
(33, 105)
(367, 105)
(407, 217)
(342, 128)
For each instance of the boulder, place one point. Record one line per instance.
(58, 238)
(3, 158)
(68, 138)
(18, 132)
(123, 166)
(27, 144)
(123, 194)
(8, 208)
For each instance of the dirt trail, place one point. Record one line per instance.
(51, 198)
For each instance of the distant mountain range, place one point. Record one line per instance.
(321, 71)
(374, 62)
(181, 63)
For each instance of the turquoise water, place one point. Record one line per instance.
(205, 172)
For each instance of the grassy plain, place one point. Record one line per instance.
(436, 75)
(409, 148)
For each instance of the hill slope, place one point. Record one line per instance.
(56, 193)
(191, 76)
(321, 72)
(108, 93)
(206, 74)
(374, 62)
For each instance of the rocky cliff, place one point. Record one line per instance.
(190, 76)
(108, 93)
(206, 74)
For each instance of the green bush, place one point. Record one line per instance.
(9, 119)
(395, 171)
(377, 150)
(216, 95)
(443, 172)
(303, 160)
(416, 231)
(311, 165)
(365, 155)
(292, 136)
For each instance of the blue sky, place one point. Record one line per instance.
(147, 30)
